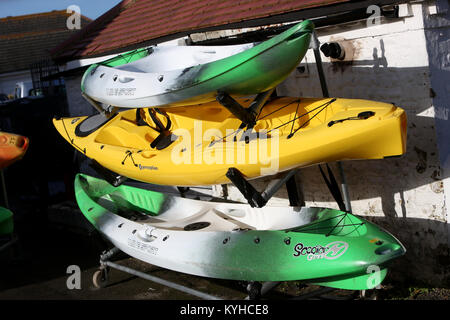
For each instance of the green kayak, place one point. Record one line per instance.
(186, 75)
(319, 246)
(6, 222)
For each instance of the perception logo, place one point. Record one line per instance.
(331, 251)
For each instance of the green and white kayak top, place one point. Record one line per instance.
(184, 75)
(234, 241)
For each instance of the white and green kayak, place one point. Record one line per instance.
(234, 241)
(184, 75)
(6, 222)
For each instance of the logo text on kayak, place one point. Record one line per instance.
(331, 251)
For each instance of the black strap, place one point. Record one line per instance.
(139, 120)
(361, 116)
(157, 122)
(253, 197)
(293, 193)
(333, 187)
(165, 137)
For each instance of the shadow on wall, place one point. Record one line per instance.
(408, 191)
(427, 259)
(437, 35)
(408, 88)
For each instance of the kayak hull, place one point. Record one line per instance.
(12, 148)
(207, 141)
(188, 75)
(235, 241)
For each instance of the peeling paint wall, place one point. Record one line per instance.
(437, 32)
(404, 195)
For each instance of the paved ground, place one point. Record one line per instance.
(37, 270)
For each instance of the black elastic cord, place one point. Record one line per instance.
(293, 122)
(71, 140)
(333, 187)
(129, 154)
(307, 121)
(323, 106)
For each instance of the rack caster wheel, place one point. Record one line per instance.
(254, 290)
(100, 278)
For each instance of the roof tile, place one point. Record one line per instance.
(137, 21)
(28, 38)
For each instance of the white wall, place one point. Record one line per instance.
(405, 195)
(437, 31)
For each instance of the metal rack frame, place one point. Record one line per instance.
(255, 199)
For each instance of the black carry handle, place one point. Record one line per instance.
(361, 116)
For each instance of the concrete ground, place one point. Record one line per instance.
(41, 273)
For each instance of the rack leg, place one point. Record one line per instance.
(345, 195)
(315, 43)
(276, 184)
(254, 197)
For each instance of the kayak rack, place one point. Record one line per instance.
(315, 45)
(101, 276)
(259, 199)
(106, 112)
(246, 115)
(255, 198)
(255, 290)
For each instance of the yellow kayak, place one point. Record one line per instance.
(196, 145)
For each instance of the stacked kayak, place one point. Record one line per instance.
(183, 116)
(12, 148)
(189, 75)
(205, 140)
(234, 241)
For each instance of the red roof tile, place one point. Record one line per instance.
(26, 39)
(132, 22)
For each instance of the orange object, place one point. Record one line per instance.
(12, 148)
